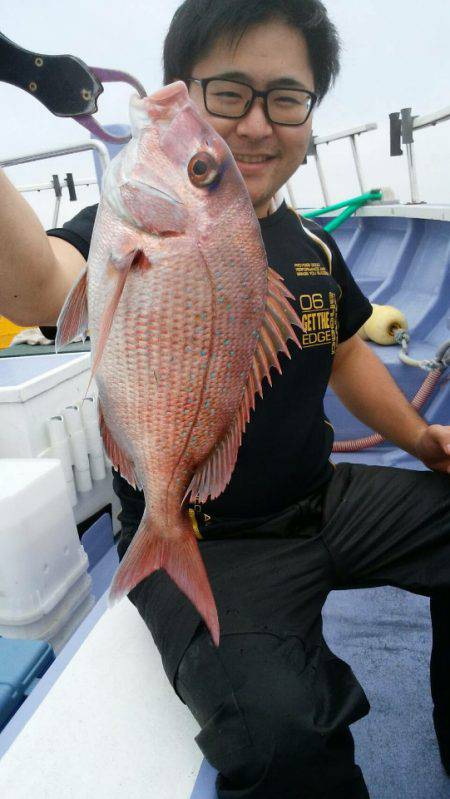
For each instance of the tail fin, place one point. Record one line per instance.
(181, 559)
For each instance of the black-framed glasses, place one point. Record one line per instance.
(233, 99)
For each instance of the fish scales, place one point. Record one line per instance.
(176, 288)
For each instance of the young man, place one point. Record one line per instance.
(273, 702)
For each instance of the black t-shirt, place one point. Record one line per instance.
(286, 447)
(285, 451)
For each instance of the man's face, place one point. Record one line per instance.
(266, 54)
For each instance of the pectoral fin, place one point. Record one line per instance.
(73, 319)
(122, 266)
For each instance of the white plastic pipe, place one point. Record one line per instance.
(60, 448)
(89, 415)
(78, 446)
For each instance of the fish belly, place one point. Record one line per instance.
(176, 361)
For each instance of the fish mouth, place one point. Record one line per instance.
(165, 103)
(167, 94)
(161, 106)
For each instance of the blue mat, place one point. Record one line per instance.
(385, 635)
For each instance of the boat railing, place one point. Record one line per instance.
(69, 183)
(352, 135)
(313, 151)
(402, 127)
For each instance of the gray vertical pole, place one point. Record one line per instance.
(290, 191)
(357, 161)
(408, 140)
(56, 211)
(412, 173)
(321, 178)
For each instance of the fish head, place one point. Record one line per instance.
(177, 171)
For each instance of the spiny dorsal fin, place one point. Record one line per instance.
(215, 473)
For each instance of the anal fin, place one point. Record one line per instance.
(116, 455)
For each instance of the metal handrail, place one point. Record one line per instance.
(50, 186)
(432, 119)
(345, 133)
(93, 144)
(351, 134)
(401, 131)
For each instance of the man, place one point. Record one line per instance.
(274, 704)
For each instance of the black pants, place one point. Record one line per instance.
(273, 702)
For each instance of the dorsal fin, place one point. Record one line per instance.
(214, 474)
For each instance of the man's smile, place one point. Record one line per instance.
(253, 159)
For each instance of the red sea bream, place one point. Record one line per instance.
(186, 319)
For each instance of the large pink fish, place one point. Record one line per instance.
(186, 319)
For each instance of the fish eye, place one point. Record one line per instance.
(203, 169)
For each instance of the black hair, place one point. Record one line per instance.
(197, 24)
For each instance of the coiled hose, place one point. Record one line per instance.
(420, 398)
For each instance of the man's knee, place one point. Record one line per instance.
(280, 740)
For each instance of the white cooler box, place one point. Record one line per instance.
(45, 590)
(42, 415)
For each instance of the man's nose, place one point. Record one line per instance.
(255, 123)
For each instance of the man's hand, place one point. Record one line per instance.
(433, 447)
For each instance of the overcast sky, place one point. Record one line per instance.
(396, 54)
